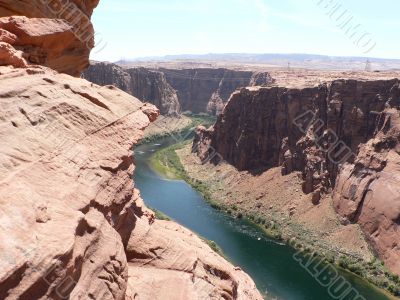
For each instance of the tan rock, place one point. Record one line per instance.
(10, 56)
(63, 38)
(47, 42)
(65, 178)
(7, 37)
(167, 261)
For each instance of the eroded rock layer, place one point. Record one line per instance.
(173, 90)
(66, 167)
(167, 261)
(318, 131)
(54, 33)
(368, 191)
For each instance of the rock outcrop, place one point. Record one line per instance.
(72, 224)
(368, 191)
(167, 261)
(56, 34)
(316, 130)
(197, 90)
(66, 167)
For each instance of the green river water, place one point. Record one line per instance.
(270, 263)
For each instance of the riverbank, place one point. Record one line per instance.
(175, 250)
(159, 215)
(179, 126)
(167, 162)
(276, 204)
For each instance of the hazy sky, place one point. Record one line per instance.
(136, 28)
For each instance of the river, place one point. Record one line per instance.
(270, 263)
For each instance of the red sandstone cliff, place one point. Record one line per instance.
(72, 224)
(316, 130)
(368, 190)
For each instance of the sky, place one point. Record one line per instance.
(128, 29)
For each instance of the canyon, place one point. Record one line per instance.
(319, 150)
(340, 137)
(72, 223)
(198, 90)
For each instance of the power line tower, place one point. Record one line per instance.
(288, 67)
(368, 67)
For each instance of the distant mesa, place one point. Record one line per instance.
(296, 60)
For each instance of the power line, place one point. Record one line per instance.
(368, 67)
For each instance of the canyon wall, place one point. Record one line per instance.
(367, 191)
(72, 223)
(207, 90)
(149, 86)
(199, 90)
(338, 134)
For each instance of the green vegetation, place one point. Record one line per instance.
(214, 246)
(196, 120)
(167, 162)
(160, 215)
(374, 271)
(202, 119)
